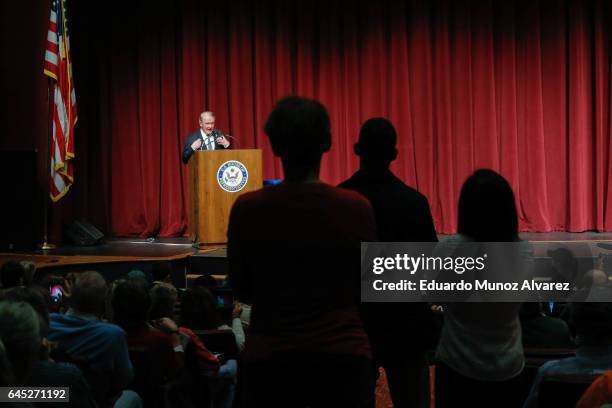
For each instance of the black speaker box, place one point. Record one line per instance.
(82, 233)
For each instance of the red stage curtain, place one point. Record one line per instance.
(522, 87)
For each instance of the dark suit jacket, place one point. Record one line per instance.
(402, 215)
(192, 137)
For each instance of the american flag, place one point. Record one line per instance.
(58, 68)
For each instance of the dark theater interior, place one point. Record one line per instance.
(306, 204)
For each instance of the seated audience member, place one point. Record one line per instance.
(596, 286)
(207, 281)
(11, 274)
(599, 393)
(163, 299)
(240, 310)
(593, 322)
(480, 355)
(131, 303)
(137, 274)
(564, 265)
(400, 333)
(162, 272)
(307, 345)
(221, 377)
(199, 311)
(46, 372)
(542, 331)
(29, 269)
(81, 333)
(20, 342)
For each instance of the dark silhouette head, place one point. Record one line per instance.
(131, 303)
(19, 341)
(163, 300)
(161, 271)
(199, 309)
(593, 323)
(487, 211)
(206, 281)
(89, 293)
(565, 265)
(12, 274)
(376, 144)
(300, 132)
(35, 298)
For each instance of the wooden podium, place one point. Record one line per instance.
(216, 179)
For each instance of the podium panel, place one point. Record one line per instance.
(216, 179)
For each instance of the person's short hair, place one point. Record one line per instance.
(136, 274)
(377, 140)
(206, 281)
(163, 299)
(592, 322)
(89, 293)
(566, 264)
(207, 113)
(19, 341)
(299, 129)
(487, 210)
(161, 270)
(199, 309)
(131, 303)
(29, 269)
(11, 274)
(35, 297)
(530, 310)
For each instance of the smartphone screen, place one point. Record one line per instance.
(56, 293)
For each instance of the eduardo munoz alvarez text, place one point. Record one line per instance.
(462, 285)
(458, 265)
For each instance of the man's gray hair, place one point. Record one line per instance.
(19, 340)
(207, 113)
(89, 293)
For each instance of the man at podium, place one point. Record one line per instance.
(205, 138)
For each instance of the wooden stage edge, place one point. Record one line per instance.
(112, 251)
(116, 250)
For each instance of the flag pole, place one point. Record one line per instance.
(46, 245)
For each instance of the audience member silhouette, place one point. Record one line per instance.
(81, 333)
(131, 303)
(400, 333)
(480, 355)
(11, 274)
(294, 250)
(199, 311)
(46, 372)
(593, 323)
(220, 377)
(19, 342)
(541, 331)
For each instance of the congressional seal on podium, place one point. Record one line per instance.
(232, 176)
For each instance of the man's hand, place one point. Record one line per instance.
(222, 141)
(165, 324)
(197, 144)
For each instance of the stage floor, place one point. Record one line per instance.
(180, 248)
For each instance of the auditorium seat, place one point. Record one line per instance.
(563, 390)
(219, 341)
(150, 382)
(534, 358)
